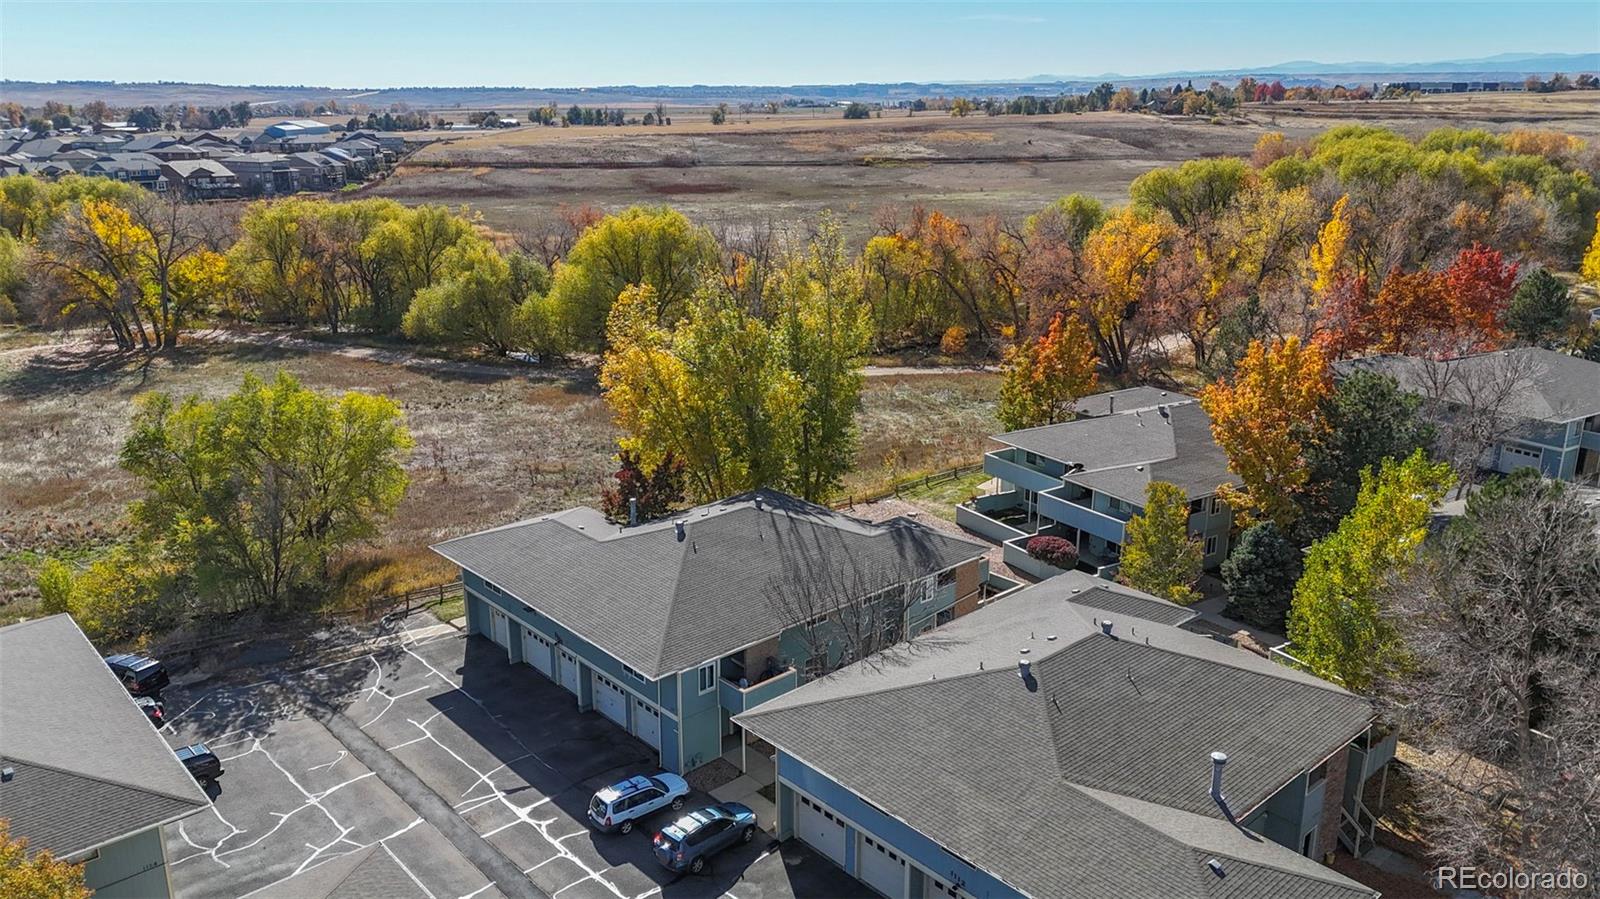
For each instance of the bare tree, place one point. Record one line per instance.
(1501, 619)
(842, 615)
(552, 239)
(1475, 403)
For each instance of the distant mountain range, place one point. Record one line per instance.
(1504, 66)
(1502, 63)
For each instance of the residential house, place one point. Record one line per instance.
(144, 143)
(202, 179)
(83, 774)
(1556, 398)
(365, 148)
(355, 168)
(175, 151)
(318, 172)
(306, 142)
(1048, 745)
(670, 628)
(264, 174)
(142, 169)
(1084, 479)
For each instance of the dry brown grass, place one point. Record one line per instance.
(489, 448)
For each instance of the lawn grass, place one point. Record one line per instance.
(450, 609)
(941, 497)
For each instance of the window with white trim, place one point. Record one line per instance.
(708, 677)
(1216, 505)
(1211, 545)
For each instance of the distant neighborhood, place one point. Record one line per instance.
(282, 158)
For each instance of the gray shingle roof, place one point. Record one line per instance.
(663, 605)
(1129, 399)
(1122, 452)
(1562, 387)
(1091, 781)
(89, 766)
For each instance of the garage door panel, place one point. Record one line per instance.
(536, 651)
(647, 723)
(569, 672)
(881, 867)
(820, 828)
(610, 699)
(500, 628)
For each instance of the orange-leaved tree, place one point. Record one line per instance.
(1044, 379)
(1262, 418)
(37, 875)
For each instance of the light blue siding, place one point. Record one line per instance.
(901, 837)
(131, 868)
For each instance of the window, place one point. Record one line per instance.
(947, 577)
(944, 616)
(1318, 775)
(1216, 506)
(632, 673)
(1198, 506)
(708, 677)
(1211, 545)
(494, 588)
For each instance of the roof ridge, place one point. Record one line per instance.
(811, 703)
(104, 780)
(1089, 793)
(673, 597)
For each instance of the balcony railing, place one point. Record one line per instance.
(737, 699)
(1075, 514)
(1005, 465)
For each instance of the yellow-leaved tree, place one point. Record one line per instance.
(37, 875)
(1262, 418)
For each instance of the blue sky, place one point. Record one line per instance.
(362, 43)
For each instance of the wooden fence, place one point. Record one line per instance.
(923, 481)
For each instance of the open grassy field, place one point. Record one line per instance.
(787, 168)
(491, 447)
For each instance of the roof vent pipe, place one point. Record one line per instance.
(1023, 668)
(1218, 760)
(633, 510)
(1105, 627)
(679, 525)
(1111, 402)
(758, 502)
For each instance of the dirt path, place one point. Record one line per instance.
(409, 359)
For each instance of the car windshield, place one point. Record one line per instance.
(656, 782)
(598, 806)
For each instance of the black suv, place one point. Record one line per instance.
(201, 762)
(142, 676)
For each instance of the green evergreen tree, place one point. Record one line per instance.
(1260, 575)
(1539, 309)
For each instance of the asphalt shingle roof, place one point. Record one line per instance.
(664, 605)
(89, 767)
(1560, 387)
(1089, 779)
(1124, 451)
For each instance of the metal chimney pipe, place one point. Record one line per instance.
(1105, 627)
(633, 510)
(679, 525)
(1023, 666)
(1218, 760)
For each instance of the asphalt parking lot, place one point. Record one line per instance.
(299, 814)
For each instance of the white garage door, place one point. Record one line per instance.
(820, 828)
(647, 723)
(536, 651)
(500, 627)
(610, 699)
(569, 671)
(882, 868)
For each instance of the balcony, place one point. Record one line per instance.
(1077, 513)
(1010, 465)
(997, 517)
(1015, 553)
(737, 699)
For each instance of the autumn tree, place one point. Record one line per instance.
(659, 248)
(1042, 380)
(36, 875)
(1336, 623)
(257, 491)
(824, 327)
(1158, 555)
(485, 304)
(1122, 256)
(645, 494)
(1262, 418)
(713, 391)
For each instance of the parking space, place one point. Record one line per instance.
(504, 747)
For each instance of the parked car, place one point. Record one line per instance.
(686, 844)
(201, 762)
(142, 676)
(152, 708)
(617, 807)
